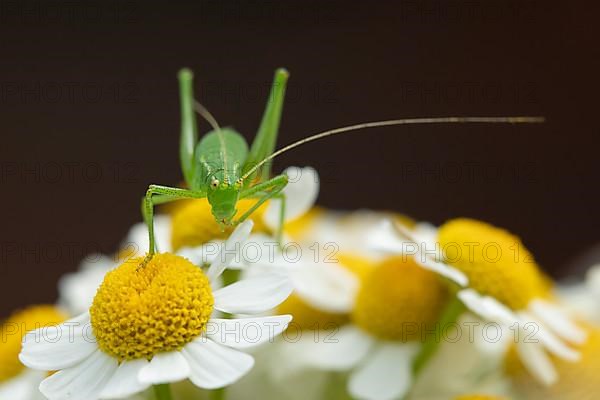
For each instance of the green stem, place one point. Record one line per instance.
(217, 394)
(163, 392)
(451, 313)
(336, 387)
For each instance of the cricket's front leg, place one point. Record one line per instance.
(157, 194)
(265, 191)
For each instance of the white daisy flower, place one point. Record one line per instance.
(505, 286)
(16, 381)
(377, 327)
(184, 232)
(154, 325)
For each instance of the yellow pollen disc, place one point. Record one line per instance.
(577, 381)
(479, 397)
(495, 261)
(398, 299)
(307, 317)
(141, 311)
(193, 223)
(14, 329)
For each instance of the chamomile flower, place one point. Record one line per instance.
(578, 381)
(18, 382)
(393, 306)
(187, 226)
(505, 286)
(153, 324)
(479, 397)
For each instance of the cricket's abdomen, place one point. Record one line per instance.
(220, 156)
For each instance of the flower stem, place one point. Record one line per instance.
(163, 392)
(336, 387)
(450, 314)
(217, 394)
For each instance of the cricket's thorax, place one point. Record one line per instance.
(219, 159)
(223, 200)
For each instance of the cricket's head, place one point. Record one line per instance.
(223, 198)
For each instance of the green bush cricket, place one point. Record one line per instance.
(222, 168)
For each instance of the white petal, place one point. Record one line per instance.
(253, 295)
(386, 375)
(22, 387)
(214, 366)
(536, 361)
(59, 347)
(77, 289)
(246, 332)
(165, 368)
(547, 338)
(424, 233)
(592, 280)
(396, 238)
(231, 250)
(137, 238)
(561, 324)
(335, 351)
(326, 286)
(474, 302)
(125, 382)
(383, 237)
(300, 195)
(202, 255)
(85, 381)
(488, 307)
(441, 268)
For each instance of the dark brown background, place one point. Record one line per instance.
(89, 114)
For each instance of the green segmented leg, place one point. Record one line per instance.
(274, 187)
(166, 194)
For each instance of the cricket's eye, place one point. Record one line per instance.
(214, 183)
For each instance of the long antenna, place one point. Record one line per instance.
(204, 113)
(407, 121)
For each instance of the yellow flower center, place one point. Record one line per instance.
(306, 317)
(495, 261)
(479, 397)
(399, 300)
(193, 223)
(14, 329)
(141, 311)
(577, 381)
